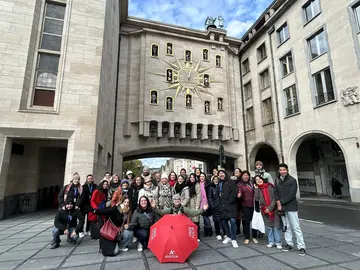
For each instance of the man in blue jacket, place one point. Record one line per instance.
(285, 196)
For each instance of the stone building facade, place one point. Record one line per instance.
(85, 87)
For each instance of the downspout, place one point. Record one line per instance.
(244, 112)
(116, 98)
(270, 32)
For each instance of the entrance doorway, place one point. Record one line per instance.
(267, 155)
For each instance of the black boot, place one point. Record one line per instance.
(198, 228)
(206, 232)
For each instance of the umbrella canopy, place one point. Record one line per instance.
(173, 238)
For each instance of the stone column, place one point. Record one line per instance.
(141, 128)
(171, 133)
(146, 129)
(118, 163)
(193, 132)
(204, 133)
(215, 133)
(5, 155)
(159, 130)
(183, 131)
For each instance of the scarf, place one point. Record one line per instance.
(179, 187)
(192, 189)
(114, 185)
(172, 182)
(265, 192)
(203, 195)
(259, 172)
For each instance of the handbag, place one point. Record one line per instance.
(257, 222)
(109, 231)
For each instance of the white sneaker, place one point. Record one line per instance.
(226, 240)
(255, 241)
(81, 235)
(269, 245)
(124, 249)
(134, 239)
(234, 244)
(140, 247)
(88, 233)
(278, 246)
(218, 237)
(198, 240)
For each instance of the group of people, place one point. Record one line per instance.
(136, 202)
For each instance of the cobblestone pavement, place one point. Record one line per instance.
(24, 244)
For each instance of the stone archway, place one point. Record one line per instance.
(267, 154)
(315, 158)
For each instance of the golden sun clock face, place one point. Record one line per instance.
(188, 78)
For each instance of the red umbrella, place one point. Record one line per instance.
(173, 238)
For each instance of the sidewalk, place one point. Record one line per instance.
(24, 244)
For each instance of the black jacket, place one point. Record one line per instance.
(116, 217)
(76, 199)
(208, 212)
(214, 201)
(88, 191)
(228, 198)
(285, 191)
(65, 219)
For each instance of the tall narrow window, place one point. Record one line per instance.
(264, 79)
(324, 87)
(261, 52)
(268, 116)
(291, 100)
(311, 9)
(317, 44)
(49, 55)
(246, 66)
(357, 15)
(248, 90)
(287, 65)
(283, 33)
(250, 119)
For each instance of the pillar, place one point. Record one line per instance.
(146, 128)
(193, 132)
(204, 133)
(5, 155)
(215, 133)
(171, 131)
(183, 131)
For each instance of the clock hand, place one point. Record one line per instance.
(189, 75)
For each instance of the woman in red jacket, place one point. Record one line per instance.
(98, 201)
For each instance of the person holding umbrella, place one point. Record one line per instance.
(177, 208)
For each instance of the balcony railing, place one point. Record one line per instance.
(326, 97)
(292, 109)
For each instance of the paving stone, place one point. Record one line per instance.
(154, 264)
(124, 256)
(219, 266)
(351, 265)
(11, 241)
(16, 255)
(6, 247)
(37, 239)
(262, 263)
(217, 244)
(297, 261)
(324, 242)
(238, 253)
(30, 246)
(42, 263)
(349, 249)
(332, 267)
(84, 249)
(203, 246)
(148, 253)
(355, 234)
(343, 238)
(206, 257)
(134, 264)
(331, 255)
(59, 252)
(84, 259)
(89, 267)
(9, 265)
(264, 249)
(342, 230)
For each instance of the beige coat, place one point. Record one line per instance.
(194, 202)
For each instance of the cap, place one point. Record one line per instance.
(129, 172)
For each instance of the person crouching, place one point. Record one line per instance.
(68, 221)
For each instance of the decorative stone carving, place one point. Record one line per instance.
(169, 75)
(207, 107)
(155, 50)
(153, 97)
(188, 101)
(221, 22)
(210, 22)
(350, 96)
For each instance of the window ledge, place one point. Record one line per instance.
(246, 99)
(268, 124)
(325, 103)
(283, 42)
(252, 129)
(287, 75)
(267, 87)
(247, 72)
(291, 115)
(261, 60)
(39, 110)
(318, 56)
(313, 18)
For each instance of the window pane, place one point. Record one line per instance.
(48, 62)
(290, 61)
(44, 98)
(46, 79)
(55, 11)
(312, 9)
(328, 82)
(318, 45)
(318, 84)
(53, 26)
(50, 42)
(322, 43)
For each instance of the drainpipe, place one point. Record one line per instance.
(270, 32)
(116, 96)
(244, 112)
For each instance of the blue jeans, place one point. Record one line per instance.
(291, 221)
(207, 222)
(56, 234)
(232, 230)
(274, 235)
(126, 238)
(143, 235)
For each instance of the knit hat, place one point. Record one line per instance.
(124, 181)
(147, 180)
(146, 169)
(129, 172)
(259, 163)
(164, 175)
(176, 197)
(222, 170)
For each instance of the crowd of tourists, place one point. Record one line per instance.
(224, 203)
